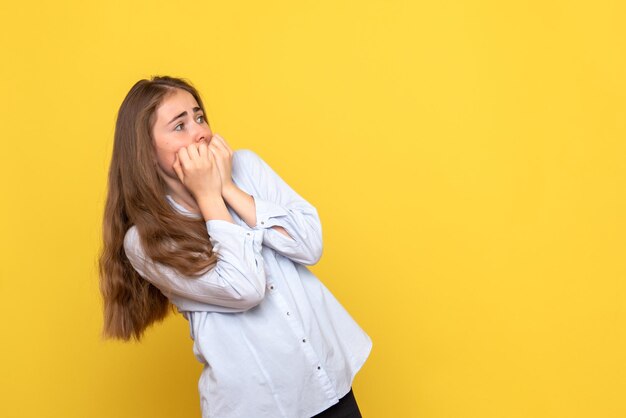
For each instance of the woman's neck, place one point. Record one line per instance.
(181, 195)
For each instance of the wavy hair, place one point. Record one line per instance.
(136, 196)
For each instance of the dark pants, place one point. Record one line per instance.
(345, 408)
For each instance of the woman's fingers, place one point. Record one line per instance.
(196, 164)
(214, 156)
(183, 156)
(215, 147)
(189, 156)
(203, 150)
(221, 144)
(177, 168)
(222, 149)
(221, 141)
(193, 151)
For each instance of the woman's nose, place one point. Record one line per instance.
(203, 134)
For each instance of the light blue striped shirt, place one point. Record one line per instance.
(273, 339)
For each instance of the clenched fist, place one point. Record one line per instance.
(197, 168)
(223, 158)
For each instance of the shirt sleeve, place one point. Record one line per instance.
(277, 204)
(236, 281)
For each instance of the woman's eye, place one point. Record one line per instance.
(176, 127)
(201, 116)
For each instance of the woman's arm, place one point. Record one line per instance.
(244, 205)
(237, 281)
(236, 198)
(278, 207)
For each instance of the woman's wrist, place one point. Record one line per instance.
(228, 189)
(213, 207)
(241, 202)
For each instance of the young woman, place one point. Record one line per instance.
(219, 235)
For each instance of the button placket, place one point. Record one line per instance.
(308, 348)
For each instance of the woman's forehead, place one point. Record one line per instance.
(175, 103)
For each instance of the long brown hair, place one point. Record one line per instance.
(136, 196)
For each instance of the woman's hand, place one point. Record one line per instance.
(197, 169)
(224, 159)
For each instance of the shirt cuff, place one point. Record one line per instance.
(220, 230)
(265, 211)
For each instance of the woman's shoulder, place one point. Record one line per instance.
(246, 164)
(245, 155)
(131, 239)
(250, 171)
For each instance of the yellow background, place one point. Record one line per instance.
(466, 159)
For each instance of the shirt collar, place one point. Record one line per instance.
(181, 208)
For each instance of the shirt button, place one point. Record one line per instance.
(272, 287)
(262, 222)
(318, 367)
(304, 340)
(247, 233)
(287, 313)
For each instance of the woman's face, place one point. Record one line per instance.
(179, 122)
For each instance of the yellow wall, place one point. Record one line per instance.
(466, 159)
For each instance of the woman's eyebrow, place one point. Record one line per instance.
(195, 109)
